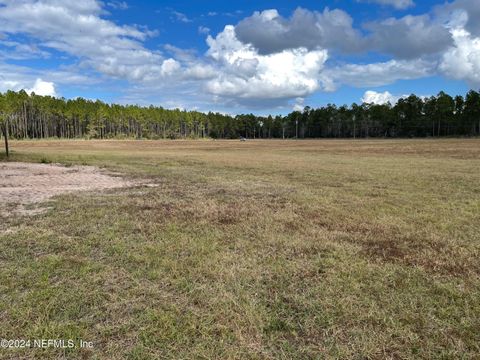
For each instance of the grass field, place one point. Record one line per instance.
(252, 250)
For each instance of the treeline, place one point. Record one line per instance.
(35, 117)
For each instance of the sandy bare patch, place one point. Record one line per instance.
(24, 184)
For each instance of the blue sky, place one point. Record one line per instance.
(243, 56)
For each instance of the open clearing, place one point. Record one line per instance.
(251, 250)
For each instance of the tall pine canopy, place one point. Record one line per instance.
(25, 116)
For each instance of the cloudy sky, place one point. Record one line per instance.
(241, 56)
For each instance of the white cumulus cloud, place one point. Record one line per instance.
(379, 98)
(247, 74)
(44, 88)
(462, 61)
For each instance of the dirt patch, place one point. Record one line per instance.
(22, 185)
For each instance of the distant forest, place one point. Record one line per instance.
(34, 117)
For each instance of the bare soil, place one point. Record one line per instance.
(25, 184)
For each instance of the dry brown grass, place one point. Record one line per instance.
(260, 249)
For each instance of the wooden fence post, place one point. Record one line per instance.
(5, 134)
